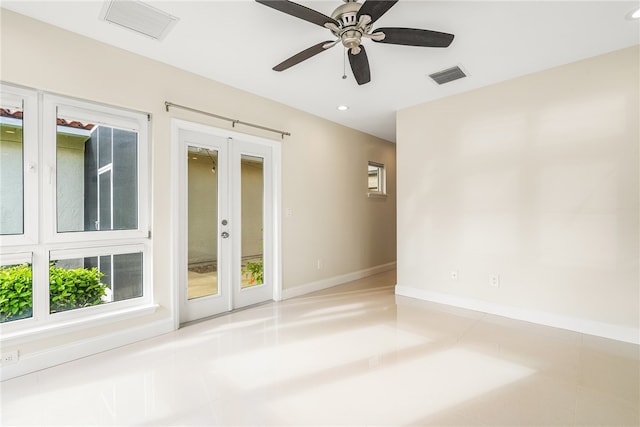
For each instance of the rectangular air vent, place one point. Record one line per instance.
(448, 75)
(139, 17)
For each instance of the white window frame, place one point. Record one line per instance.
(86, 252)
(56, 106)
(28, 100)
(381, 192)
(41, 242)
(16, 258)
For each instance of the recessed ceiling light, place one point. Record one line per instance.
(636, 14)
(342, 108)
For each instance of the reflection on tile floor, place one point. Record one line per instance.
(351, 355)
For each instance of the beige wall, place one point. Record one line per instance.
(535, 179)
(324, 165)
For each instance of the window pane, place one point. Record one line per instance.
(16, 300)
(252, 187)
(374, 173)
(85, 282)
(105, 138)
(104, 201)
(375, 178)
(203, 223)
(11, 172)
(97, 177)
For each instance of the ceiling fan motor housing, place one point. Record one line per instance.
(350, 33)
(346, 14)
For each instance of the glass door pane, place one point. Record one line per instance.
(253, 206)
(202, 258)
(252, 200)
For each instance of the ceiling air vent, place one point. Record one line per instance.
(139, 17)
(448, 75)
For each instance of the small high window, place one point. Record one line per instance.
(376, 180)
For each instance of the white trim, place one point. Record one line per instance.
(585, 326)
(97, 113)
(276, 157)
(87, 251)
(16, 258)
(176, 236)
(50, 329)
(335, 281)
(36, 361)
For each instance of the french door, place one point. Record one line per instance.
(227, 226)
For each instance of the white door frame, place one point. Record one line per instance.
(178, 238)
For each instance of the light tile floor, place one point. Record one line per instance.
(351, 355)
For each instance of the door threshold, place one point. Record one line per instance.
(214, 316)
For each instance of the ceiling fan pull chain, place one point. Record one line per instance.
(344, 65)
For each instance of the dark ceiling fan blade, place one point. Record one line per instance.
(415, 37)
(299, 11)
(375, 8)
(360, 66)
(301, 56)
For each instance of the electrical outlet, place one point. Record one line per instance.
(454, 275)
(495, 280)
(9, 357)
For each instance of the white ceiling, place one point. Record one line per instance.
(238, 42)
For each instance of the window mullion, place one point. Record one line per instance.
(40, 284)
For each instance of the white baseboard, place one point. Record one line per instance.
(589, 327)
(335, 281)
(36, 361)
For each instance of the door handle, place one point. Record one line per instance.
(224, 235)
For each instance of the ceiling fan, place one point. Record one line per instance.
(350, 23)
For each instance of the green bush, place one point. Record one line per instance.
(15, 292)
(256, 271)
(68, 289)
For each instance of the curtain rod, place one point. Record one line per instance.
(234, 122)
